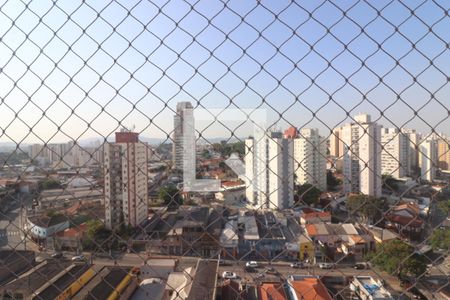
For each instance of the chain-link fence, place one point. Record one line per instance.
(224, 149)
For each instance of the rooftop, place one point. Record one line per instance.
(371, 287)
(204, 283)
(108, 283)
(271, 291)
(46, 221)
(63, 282)
(308, 288)
(35, 278)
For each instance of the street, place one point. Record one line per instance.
(11, 227)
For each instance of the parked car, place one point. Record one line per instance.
(326, 266)
(223, 262)
(249, 269)
(229, 275)
(296, 265)
(78, 258)
(260, 275)
(360, 266)
(57, 255)
(271, 270)
(252, 264)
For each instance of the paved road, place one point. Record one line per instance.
(11, 226)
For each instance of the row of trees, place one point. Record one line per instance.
(225, 149)
(398, 258)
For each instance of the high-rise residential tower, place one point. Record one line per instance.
(362, 156)
(269, 171)
(443, 148)
(126, 180)
(184, 150)
(428, 158)
(394, 156)
(413, 140)
(310, 162)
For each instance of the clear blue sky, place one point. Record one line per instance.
(132, 57)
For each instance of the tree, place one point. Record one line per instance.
(49, 183)
(93, 227)
(444, 206)
(98, 236)
(171, 196)
(53, 213)
(440, 239)
(206, 154)
(368, 208)
(398, 258)
(306, 194)
(332, 181)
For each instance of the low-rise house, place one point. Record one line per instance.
(367, 288)
(71, 238)
(272, 237)
(405, 219)
(192, 230)
(43, 226)
(315, 217)
(249, 232)
(271, 291)
(334, 241)
(231, 192)
(229, 239)
(380, 235)
(306, 287)
(306, 248)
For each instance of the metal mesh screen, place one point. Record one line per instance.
(224, 149)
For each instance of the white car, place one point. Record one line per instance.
(78, 258)
(229, 275)
(252, 264)
(325, 266)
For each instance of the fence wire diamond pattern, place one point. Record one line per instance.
(224, 149)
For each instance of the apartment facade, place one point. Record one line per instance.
(428, 159)
(443, 153)
(184, 144)
(362, 156)
(126, 180)
(394, 156)
(413, 139)
(310, 162)
(269, 169)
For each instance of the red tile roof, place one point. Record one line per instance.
(271, 291)
(311, 229)
(74, 231)
(404, 220)
(317, 214)
(310, 288)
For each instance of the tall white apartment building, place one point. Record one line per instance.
(413, 139)
(394, 156)
(126, 181)
(184, 150)
(310, 162)
(269, 171)
(428, 151)
(336, 144)
(443, 152)
(65, 155)
(362, 156)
